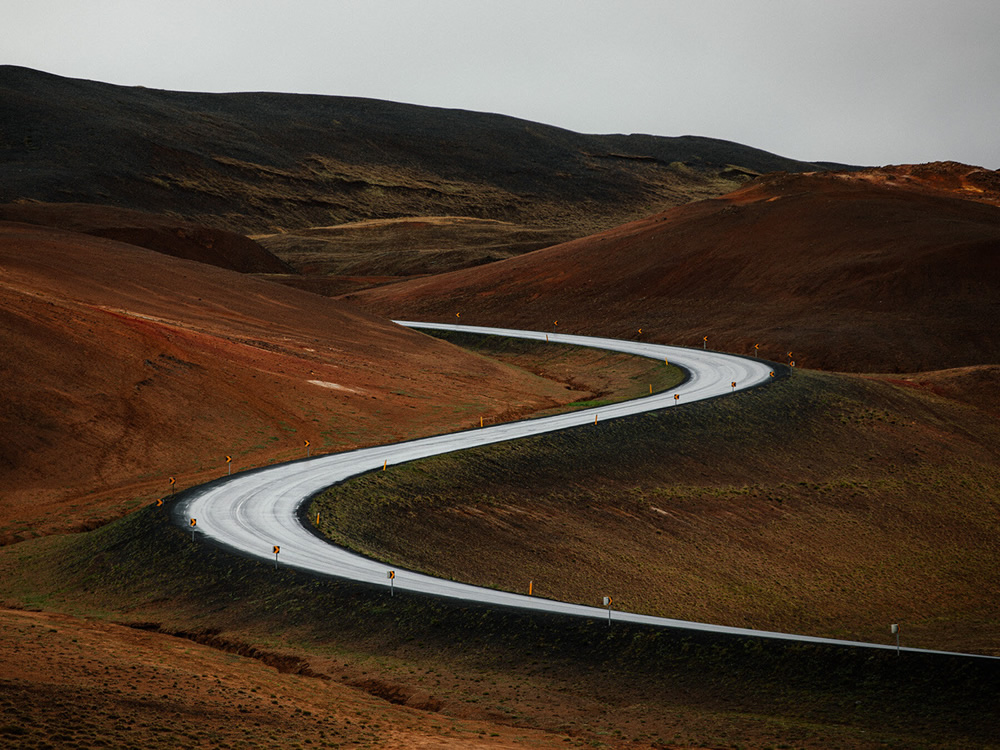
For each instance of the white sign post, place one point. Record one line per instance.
(895, 630)
(607, 603)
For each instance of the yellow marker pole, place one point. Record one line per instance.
(384, 464)
(480, 421)
(317, 518)
(546, 338)
(530, 586)
(650, 389)
(595, 419)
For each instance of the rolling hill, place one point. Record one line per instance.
(892, 270)
(258, 162)
(122, 366)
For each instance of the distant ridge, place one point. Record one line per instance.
(266, 161)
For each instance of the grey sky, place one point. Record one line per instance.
(859, 81)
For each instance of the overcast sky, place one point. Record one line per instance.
(857, 81)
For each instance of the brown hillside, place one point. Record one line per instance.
(164, 234)
(845, 271)
(122, 366)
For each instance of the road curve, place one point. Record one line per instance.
(254, 511)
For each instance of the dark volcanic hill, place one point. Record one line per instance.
(880, 270)
(254, 162)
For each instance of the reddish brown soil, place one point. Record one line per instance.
(158, 232)
(867, 273)
(68, 682)
(122, 366)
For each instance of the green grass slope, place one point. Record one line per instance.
(821, 504)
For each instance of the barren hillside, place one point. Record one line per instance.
(843, 270)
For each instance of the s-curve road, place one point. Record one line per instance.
(254, 511)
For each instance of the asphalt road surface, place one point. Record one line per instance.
(254, 511)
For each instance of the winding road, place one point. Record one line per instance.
(254, 511)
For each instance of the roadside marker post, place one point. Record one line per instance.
(229, 464)
(677, 397)
(607, 603)
(308, 449)
(595, 419)
(480, 421)
(159, 502)
(384, 464)
(172, 482)
(756, 348)
(704, 342)
(277, 549)
(650, 389)
(894, 629)
(734, 386)
(194, 522)
(531, 586)
(772, 373)
(391, 575)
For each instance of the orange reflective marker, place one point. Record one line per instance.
(194, 521)
(229, 459)
(172, 481)
(772, 373)
(480, 421)
(734, 385)
(555, 322)
(792, 363)
(676, 397)
(595, 419)
(384, 464)
(458, 315)
(640, 330)
(650, 389)
(277, 549)
(307, 443)
(531, 585)
(159, 502)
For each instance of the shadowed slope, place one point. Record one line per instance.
(260, 161)
(166, 235)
